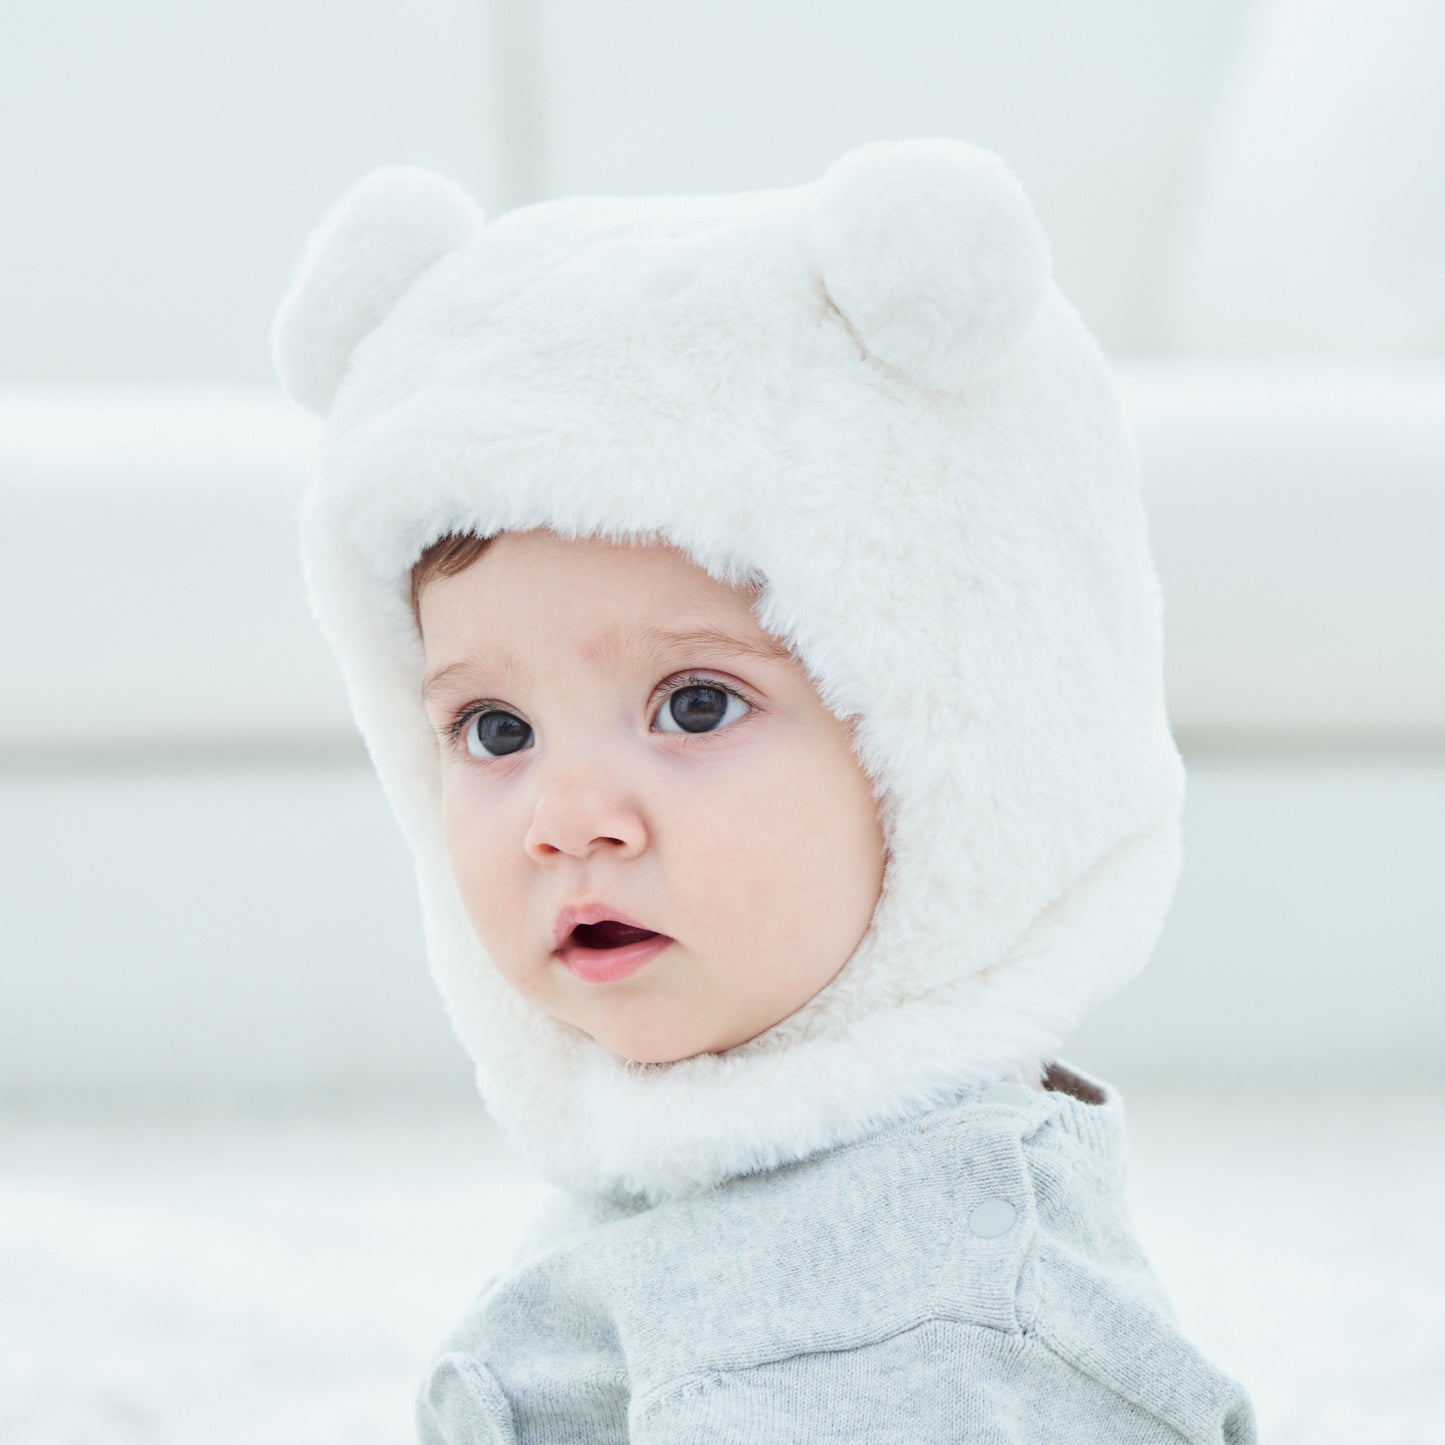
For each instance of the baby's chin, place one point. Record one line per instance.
(660, 1047)
(656, 1052)
(646, 1025)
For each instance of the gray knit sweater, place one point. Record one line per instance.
(969, 1275)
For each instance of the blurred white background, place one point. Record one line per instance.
(244, 1182)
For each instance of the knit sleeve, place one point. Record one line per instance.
(941, 1381)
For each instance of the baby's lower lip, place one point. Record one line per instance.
(607, 965)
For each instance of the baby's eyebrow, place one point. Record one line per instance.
(764, 647)
(656, 639)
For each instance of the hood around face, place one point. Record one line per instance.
(866, 395)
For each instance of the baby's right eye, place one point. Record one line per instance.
(493, 734)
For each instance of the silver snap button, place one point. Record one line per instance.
(1006, 1094)
(993, 1217)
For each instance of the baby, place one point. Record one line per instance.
(747, 604)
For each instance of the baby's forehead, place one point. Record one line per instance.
(652, 583)
(593, 602)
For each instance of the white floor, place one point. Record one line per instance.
(235, 1281)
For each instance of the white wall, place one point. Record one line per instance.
(163, 159)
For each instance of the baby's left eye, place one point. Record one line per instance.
(699, 707)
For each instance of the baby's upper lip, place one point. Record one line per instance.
(589, 912)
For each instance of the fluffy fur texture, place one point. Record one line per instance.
(867, 393)
(387, 230)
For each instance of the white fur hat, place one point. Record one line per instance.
(867, 394)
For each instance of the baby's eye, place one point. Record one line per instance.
(494, 734)
(697, 705)
(701, 705)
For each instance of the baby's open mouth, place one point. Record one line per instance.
(608, 934)
(610, 951)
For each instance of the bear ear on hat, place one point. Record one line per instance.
(932, 251)
(373, 243)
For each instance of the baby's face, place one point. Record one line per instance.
(696, 787)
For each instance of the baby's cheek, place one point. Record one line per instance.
(749, 821)
(484, 894)
(754, 901)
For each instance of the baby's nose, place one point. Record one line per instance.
(580, 821)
